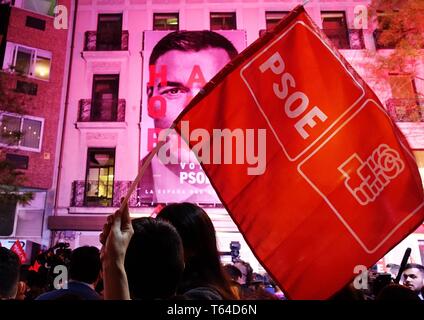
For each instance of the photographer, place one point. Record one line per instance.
(413, 278)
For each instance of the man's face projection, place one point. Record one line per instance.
(186, 73)
(173, 88)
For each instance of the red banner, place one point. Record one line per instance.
(19, 250)
(339, 187)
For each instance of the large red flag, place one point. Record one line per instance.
(340, 187)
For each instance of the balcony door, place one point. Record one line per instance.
(335, 27)
(100, 177)
(109, 32)
(105, 97)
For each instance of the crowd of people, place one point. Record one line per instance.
(173, 256)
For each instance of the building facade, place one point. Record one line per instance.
(32, 61)
(103, 131)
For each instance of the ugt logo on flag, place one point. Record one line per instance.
(341, 186)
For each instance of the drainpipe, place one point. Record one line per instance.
(65, 116)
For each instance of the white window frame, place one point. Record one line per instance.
(20, 4)
(11, 54)
(273, 15)
(221, 14)
(177, 13)
(22, 117)
(33, 205)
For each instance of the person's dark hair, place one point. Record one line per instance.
(85, 264)
(232, 271)
(203, 266)
(396, 292)
(191, 41)
(154, 261)
(9, 272)
(249, 270)
(415, 266)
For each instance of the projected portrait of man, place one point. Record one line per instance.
(180, 64)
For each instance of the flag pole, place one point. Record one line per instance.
(144, 166)
(403, 264)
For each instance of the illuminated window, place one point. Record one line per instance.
(24, 132)
(100, 177)
(27, 61)
(335, 27)
(42, 67)
(272, 18)
(223, 21)
(165, 21)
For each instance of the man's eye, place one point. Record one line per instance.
(173, 92)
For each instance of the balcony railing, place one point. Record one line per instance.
(91, 43)
(346, 39)
(356, 39)
(406, 110)
(82, 194)
(106, 110)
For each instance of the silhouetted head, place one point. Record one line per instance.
(246, 271)
(202, 259)
(233, 272)
(397, 292)
(85, 264)
(154, 261)
(9, 273)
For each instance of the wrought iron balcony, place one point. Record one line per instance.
(406, 110)
(106, 110)
(356, 39)
(86, 194)
(92, 43)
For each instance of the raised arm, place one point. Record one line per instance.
(115, 238)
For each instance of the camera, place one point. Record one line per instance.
(235, 250)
